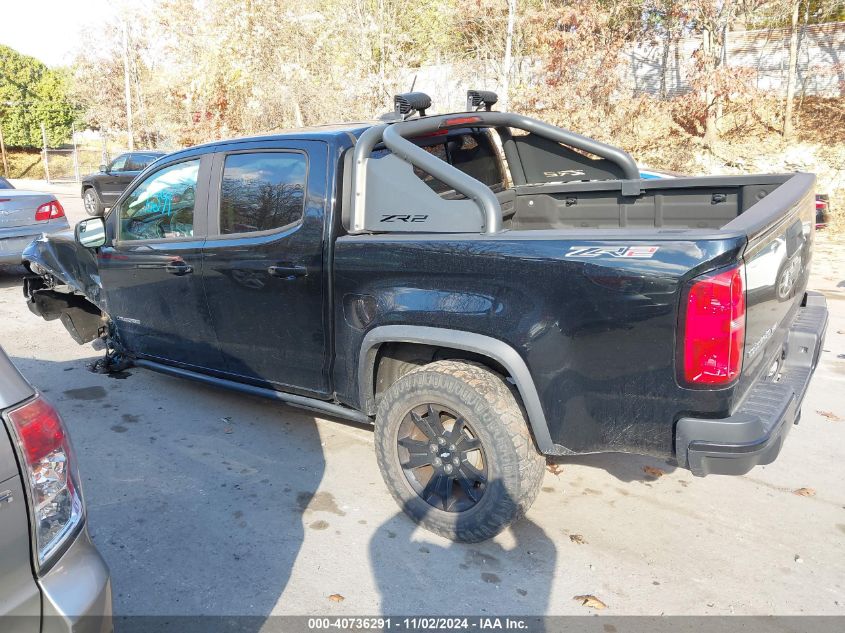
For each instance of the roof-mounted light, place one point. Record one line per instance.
(476, 99)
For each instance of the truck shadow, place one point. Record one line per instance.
(197, 497)
(626, 467)
(418, 573)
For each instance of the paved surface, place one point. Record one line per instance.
(209, 502)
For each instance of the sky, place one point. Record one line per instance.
(49, 29)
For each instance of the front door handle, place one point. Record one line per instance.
(179, 268)
(287, 271)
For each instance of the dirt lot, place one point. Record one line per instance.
(210, 502)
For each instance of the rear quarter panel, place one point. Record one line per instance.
(597, 333)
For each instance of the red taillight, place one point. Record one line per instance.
(714, 329)
(49, 468)
(39, 428)
(821, 205)
(49, 211)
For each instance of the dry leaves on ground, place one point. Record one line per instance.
(830, 415)
(805, 492)
(554, 469)
(589, 600)
(654, 472)
(336, 597)
(577, 538)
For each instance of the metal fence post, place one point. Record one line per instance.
(3, 151)
(44, 151)
(75, 153)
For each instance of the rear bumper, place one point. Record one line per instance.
(77, 591)
(754, 434)
(14, 241)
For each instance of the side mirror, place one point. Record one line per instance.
(103, 169)
(91, 233)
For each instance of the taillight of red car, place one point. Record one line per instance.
(52, 480)
(713, 329)
(49, 211)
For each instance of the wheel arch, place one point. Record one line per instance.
(500, 353)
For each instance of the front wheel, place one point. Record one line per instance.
(455, 451)
(92, 203)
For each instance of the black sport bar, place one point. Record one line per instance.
(394, 136)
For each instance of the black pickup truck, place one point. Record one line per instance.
(484, 288)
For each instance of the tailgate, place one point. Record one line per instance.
(17, 208)
(781, 231)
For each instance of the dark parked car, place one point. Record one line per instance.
(481, 309)
(101, 190)
(50, 571)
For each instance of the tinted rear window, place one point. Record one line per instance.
(262, 191)
(5, 184)
(471, 152)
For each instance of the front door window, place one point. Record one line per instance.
(162, 206)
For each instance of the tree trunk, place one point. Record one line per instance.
(664, 64)
(508, 61)
(791, 72)
(711, 133)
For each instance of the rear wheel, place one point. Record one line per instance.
(454, 448)
(92, 203)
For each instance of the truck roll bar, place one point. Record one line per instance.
(395, 137)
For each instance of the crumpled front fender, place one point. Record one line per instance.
(68, 261)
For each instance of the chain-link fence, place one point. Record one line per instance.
(71, 165)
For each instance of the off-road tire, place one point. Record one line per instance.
(491, 406)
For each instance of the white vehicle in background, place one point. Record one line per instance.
(25, 215)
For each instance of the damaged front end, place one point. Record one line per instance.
(65, 285)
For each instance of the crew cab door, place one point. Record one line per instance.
(263, 262)
(151, 265)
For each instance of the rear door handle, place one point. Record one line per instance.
(179, 268)
(287, 271)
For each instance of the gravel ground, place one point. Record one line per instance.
(210, 502)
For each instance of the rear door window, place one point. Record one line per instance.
(162, 206)
(262, 191)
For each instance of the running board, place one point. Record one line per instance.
(288, 398)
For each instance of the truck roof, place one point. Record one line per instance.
(328, 132)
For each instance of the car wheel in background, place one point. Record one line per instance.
(455, 451)
(92, 203)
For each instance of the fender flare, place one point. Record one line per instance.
(480, 344)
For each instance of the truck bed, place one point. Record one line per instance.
(682, 203)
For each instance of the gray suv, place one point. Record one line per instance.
(52, 579)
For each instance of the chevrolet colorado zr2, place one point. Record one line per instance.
(484, 288)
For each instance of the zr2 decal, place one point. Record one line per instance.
(393, 217)
(563, 173)
(631, 252)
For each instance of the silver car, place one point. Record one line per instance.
(52, 579)
(24, 215)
